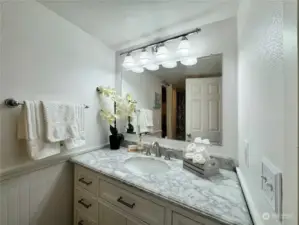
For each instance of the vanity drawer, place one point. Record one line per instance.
(86, 179)
(86, 204)
(81, 219)
(139, 207)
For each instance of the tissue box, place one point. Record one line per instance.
(210, 168)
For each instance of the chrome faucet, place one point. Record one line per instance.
(156, 147)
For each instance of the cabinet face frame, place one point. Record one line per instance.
(169, 207)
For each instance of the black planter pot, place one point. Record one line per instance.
(115, 141)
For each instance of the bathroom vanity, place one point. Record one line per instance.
(121, 188)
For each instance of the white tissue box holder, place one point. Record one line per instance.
(209, 168)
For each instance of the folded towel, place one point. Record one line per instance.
(191, 147)
(61, 123)
(31, 129)
(189, 155)
(198, 158)
(198, 140)
(203, 151)
(80, 140)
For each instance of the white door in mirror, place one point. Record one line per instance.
(204, 108)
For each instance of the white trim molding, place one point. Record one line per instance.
(44, 163)
(255, 216)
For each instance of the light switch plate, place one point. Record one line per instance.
(271, 184)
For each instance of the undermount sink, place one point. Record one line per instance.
(142, 165)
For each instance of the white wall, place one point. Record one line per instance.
(142, 87)
(267, 100)
(216, 38)
(45, 57)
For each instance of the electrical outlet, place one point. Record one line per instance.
(271, 184)
(246, 152)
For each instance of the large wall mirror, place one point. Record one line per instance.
(179, 103)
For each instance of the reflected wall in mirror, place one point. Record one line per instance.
(180, 103)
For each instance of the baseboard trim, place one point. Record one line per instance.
(255, 215)
(44, 163)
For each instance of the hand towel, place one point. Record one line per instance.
(145, 120)
(31, 129)
(61, 122)
(80, 119)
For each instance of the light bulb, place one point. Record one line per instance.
(128, 61)
(184, 47)
(152, 67)
(189, 61)
(162, 52)
(137, 69)
(169, 64)
(144, 57)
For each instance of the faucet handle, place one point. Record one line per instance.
(167, 154)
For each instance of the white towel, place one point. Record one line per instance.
(61, 123)
(191, 147)
(80, 140)
(31, 129)
(198, 158)
(146, 120)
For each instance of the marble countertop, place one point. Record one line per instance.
(219, 197)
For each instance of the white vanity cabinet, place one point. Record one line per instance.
(100, 200)
(178, 219)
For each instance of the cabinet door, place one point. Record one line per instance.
(178, 219)
(110, 217)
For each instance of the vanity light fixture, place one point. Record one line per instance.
(169, 64)
(128, 61)
(184, 47)
(151, 62)
(162, 52)
(145, 57)
(189, 61)
(137, 69)
(152, 67)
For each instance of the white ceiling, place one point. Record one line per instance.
(207, 66)
(122, 24)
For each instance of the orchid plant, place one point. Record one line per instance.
(123, 107)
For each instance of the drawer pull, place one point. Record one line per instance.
(120, 199)
(81, 222)
(81, 201)
(85, 182)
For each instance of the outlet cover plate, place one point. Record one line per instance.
(271, 184)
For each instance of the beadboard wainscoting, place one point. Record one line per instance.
(43, 197)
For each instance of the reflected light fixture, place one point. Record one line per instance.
(162, 52)
(184, 47)
(128, 61)
(144, 56)
(189, 61)
(169, 64)
(152, 67)
(138, 69)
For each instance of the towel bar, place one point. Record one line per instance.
(11, 103)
